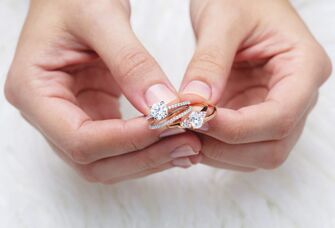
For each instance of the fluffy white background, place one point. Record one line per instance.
(37, 190)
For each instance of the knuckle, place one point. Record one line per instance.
(9, 93)
(132, 143)
(209, 61)
(78, 153)
(275, 158)
(10, 88)
(316, 54)
(327, 66)
(133, 63)
(284, 127)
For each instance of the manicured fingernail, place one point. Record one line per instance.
(183, 151)
(157, 93)
(196, 159)
(205, 127)
(182, 162)
(170, 132)
(199, 88)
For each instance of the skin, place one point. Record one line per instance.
(75, 58)
(263, 68)
(73, 61)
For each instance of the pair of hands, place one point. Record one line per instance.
(255, 60)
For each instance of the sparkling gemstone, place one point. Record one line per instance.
(185, 123)
(159, 111)
(197, 119)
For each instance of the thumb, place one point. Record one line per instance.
(209, 69)
(136, 72)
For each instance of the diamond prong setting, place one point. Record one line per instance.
(159, 111)
(172, 120)
(195, 120)
(182, 115)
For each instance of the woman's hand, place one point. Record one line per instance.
(73, 61)
(259, 63)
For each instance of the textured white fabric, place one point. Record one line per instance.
(38, 190)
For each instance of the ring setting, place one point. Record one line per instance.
(195, 120)
(181, 115)
(160, 110)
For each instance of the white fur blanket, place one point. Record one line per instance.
(37, 190)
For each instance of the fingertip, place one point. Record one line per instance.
(159, 92)
(193, 98)
(196, 159)
(193, 140)
(198, 88)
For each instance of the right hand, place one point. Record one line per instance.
(258, 62)
(73, 61)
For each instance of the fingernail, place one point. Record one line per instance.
(157, 93)
(182, 162)
(183, 151)
(170, 132)
(199, 88)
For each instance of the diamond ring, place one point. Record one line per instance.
(200, 114)
(182, 115)
(161, 110)
(171, 119)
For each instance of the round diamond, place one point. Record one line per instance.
(185, 123)
(197, 119)
(159, 111)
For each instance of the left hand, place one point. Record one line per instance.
(73, 61)
(257, 62)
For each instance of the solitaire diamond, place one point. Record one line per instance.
(159, 111)
(196, 119)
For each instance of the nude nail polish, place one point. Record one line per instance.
(183, 151)
(182, 162)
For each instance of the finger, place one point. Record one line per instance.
(265, 155)
(275, 118)
(137, 73)
(151, 157)
(223, 165)
(84, 140)
(142, 174)
(85, 173)
(217, 42)
(99, 105)
(195, 159)
(167, 153)
(99, 100)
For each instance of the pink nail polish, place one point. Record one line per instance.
(159, 92)
(183, 151)
(171, 132)
(199, 88)
(182, 162)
